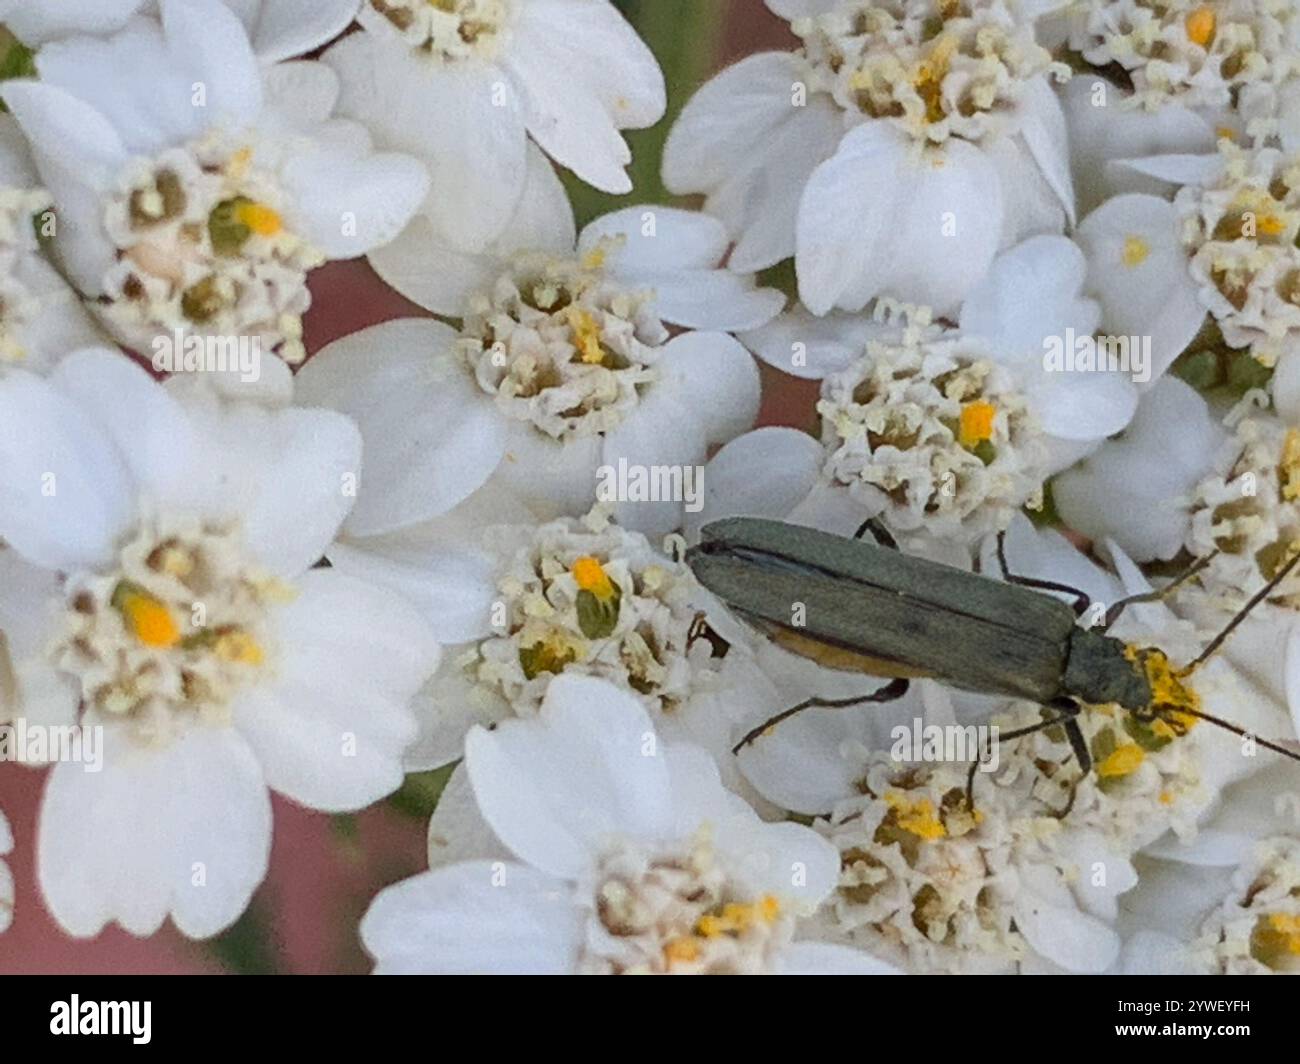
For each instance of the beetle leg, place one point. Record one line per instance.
(878, 532)
(701, 629)
(893, 690)
(1068, 712)
(1113, 614)
(1082, 600)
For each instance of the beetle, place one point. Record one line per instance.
(869, 608)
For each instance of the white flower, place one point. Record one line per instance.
(930, 430)
(631, 857)
(279, 29)
(561, 365)
(1201, 55)
(41, 317)
(1228, 901)
(941, 889)
(195, 189)
(464, 85)
(1137, 488)
(893, 154)
(6, 877)
(569, 597)
(1226, 246)
(159, 584)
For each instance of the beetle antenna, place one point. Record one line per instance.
(1244, 612)
(1237, 729)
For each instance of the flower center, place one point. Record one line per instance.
(677, 913)
(1241, 232)
(203, 248)
(1256, 931)
(447, 29)
(561, 347)
(172, 632)
(938, 68)
(1250, 516)
(1200, 54)
(601, 603)
(932, 434)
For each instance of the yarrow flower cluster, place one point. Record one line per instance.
(539, 518)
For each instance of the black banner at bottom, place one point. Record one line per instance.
(335, 1014)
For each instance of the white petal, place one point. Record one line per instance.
(852, 186)
(457, 830)
(551, 477)
(1043, 128)
(1031, 292)
(332, 729)
(663, 431)
(453, 589)
(1064, 935)
(460, 119)
(649, 240)
(286, 474)
(727, 119)
(605, 57)
(184, 831)
(1104, 127)
(212, 43)
(346, 205)
(35, 23)
(803, 345)
(148, 427)
(78, 153)
(1137, 268)
(65, 493)
(826, 958)
(286, 28)
(763, 473)
(430, 437)
(573, 107)
(440, 277)
(1134, 487)
(904, 209)
(480, 917)
(551, 816)
(716, 380)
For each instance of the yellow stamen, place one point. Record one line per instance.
(148, 619)
(590, 575)
(681, 951)
(1135, 251)
(1123, 762)
(928, 81)
(238, 647)
(1290, 467)
(1201, 25)
(737, 917)
(916, 816)
(1276, 939)
(976, 423)
(586, 336)
(260, 218)
(1225, 133)
(1270, 225)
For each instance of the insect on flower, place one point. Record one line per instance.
(870, 608)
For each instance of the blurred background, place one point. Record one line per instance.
(325, 869)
